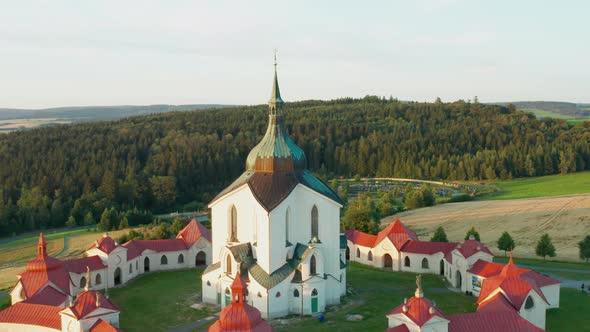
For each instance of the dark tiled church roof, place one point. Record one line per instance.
(271, 188)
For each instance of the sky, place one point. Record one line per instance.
(101, 52)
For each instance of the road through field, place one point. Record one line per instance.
(565, 218)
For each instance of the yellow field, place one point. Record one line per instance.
(565, 218)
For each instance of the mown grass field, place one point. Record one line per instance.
(582, 269)
(573, 312)
(552, 185)
(159, 301)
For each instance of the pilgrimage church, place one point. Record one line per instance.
(276, 249)
(279, 226)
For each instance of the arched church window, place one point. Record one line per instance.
(228, 264)
(136, 265)
(314, 222)
(358, 253)
(287, 226)
(529, 304)
(130, 268)
(312, 266)
(314, 292)
(370, 256)
(180, 259)
(208, 283)
(295, 293)
(98, 279)
(425, 263)
(233, 224)
(164, 260)
(407, 261)
(82, 282)
(278, 294)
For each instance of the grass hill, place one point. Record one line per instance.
(554, 109)
(180, 160)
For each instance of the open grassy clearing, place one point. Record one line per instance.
(546, 263)
(544, 186)
(374, 293)
(565, 218)
(161, 300)
(572, 314)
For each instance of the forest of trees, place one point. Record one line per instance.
(161, 162)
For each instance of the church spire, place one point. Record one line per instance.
(41, 246)
(275, 103)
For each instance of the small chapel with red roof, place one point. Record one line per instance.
(56, 295)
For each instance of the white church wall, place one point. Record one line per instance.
(17, 293)
(383, 248)
(551, 293)
(536, 314)
(9, 327)
(247, 208)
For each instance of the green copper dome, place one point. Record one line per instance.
(276, 152)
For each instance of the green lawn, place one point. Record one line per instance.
(566, 274)
(159, 300)
(552, 185)
(5, 302)
(375, 293)
(572, 314)
(548, 263)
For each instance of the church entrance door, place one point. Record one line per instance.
(442, 268)
(146, 265)
(227, 297)
(387, 261)
(314, 301)
(200, 259)
(458, 277)
(117, 276)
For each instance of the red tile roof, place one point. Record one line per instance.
(102, 326)
(161, 245)
(239, 315)
(44, 269)
(505, 321)
(32, 314)
(193, 231)
(86, 303)
(516, 284)
(497, 303)
(133, 249)
(428, 248)
(398, 233)
(399, 328)
(418, 310)
(79, 265)
(49, 296)
(361, 239)
(471, 247)
(106, 244)
(485, 269)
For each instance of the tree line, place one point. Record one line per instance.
(180, 160)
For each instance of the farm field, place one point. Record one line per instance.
(565, 218)
(552, 185)
(16, 124)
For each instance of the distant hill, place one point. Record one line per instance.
(552, 109)
(92, 113)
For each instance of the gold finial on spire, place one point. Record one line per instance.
(419, 292)
(87, 279)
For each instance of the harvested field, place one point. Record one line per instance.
(565, 218)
